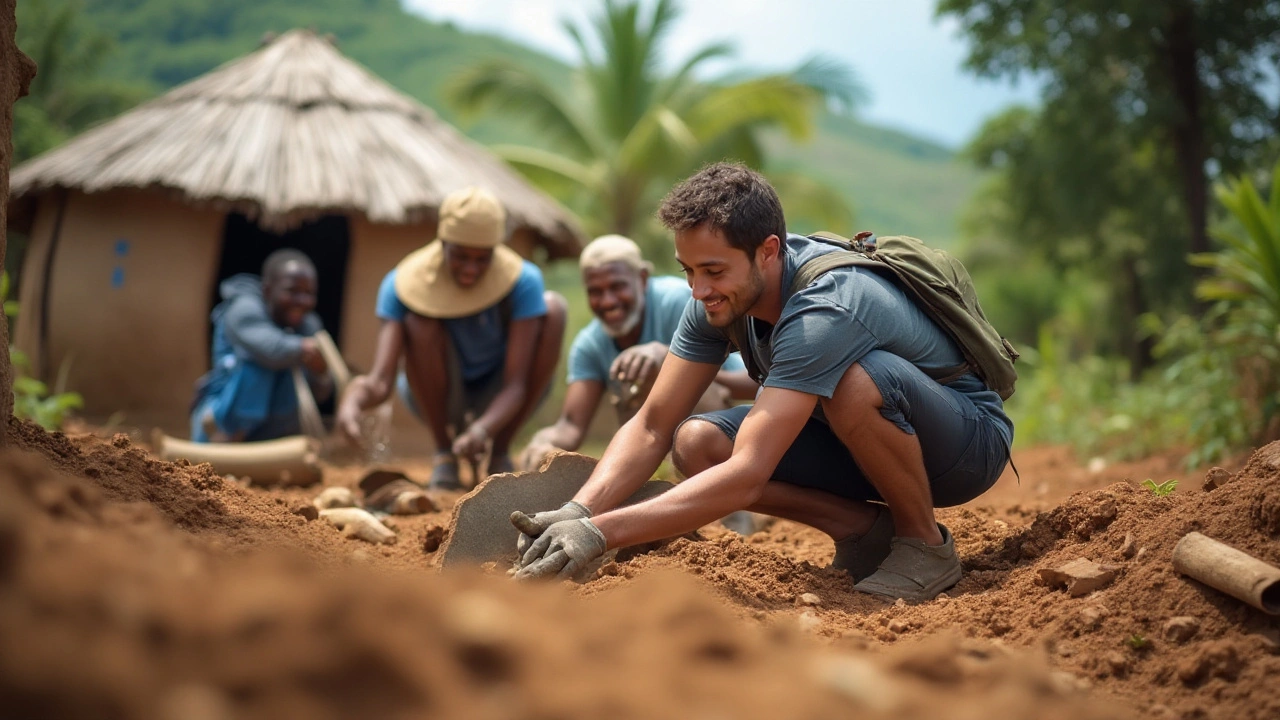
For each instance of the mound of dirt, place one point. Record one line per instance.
(1153, 637)
(133, 588)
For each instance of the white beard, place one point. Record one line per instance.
(628, 323)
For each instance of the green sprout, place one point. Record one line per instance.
(1161, 490)
(1137, 641)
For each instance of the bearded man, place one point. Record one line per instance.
(621, 351)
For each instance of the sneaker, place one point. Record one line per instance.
(915, 571)
(444, 474)
(860, 555)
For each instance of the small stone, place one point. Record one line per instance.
(1064, 683)
(1080, 577)
(1181, 629)
(900, 603)
(860, 681)
(1092, 616)
(1118, 663)
(1216, 478)
(307, 512)
(809, 622)
(1129, 547)
(810, 599)
(897, 627)
(943, 598)
(359, 555)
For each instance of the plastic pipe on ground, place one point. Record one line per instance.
(1225, 568)
(288, 461)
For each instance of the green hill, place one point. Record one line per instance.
(897, 183)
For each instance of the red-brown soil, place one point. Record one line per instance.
(135, 588)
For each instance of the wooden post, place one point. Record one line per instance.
(1225, 568)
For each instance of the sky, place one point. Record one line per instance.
(910, 62)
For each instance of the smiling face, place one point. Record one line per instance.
(724, 278)
(290, 294)
(615, 292)
(467, 264)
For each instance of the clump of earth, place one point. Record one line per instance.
(136, 588)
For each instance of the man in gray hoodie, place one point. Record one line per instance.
(262, 330)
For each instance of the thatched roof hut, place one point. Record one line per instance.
(133, 223)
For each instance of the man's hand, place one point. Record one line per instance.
(471, 444)
(312, 358)
(639, 364)
(536, 451)
(350, 412)
(563, 550)
(532, 526)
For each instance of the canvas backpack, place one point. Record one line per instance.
(940, 286)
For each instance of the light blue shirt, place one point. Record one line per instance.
(480, 339)
(593, 351)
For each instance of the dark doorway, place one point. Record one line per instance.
(327, 241)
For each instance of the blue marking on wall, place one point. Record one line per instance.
(117, 272)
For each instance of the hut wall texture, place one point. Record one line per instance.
(129, 301)
(18, 69)
(26, 332)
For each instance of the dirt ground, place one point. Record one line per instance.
(135, 588)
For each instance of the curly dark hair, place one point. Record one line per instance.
(731, 198)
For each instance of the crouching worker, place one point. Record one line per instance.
(262, 331)
(619, 353)
(869, 417)
(479, 335)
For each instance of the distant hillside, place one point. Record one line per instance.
(897, 183)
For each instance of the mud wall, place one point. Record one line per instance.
(14, 81)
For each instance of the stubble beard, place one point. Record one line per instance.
(743, 301)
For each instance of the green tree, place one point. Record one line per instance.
(624, 131)
(1181, 85)
(67, 94)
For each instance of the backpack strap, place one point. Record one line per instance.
(861, 252)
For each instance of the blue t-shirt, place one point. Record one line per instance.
(480, 339)
(593, 351)
(829, 325)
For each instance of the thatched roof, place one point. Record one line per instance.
(290, 131)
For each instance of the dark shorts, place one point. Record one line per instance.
(965, 450)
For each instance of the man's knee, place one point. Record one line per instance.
(855, 394)
(698, 445)
(420, 329)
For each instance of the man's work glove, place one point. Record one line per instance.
(531, 526)
(562, 550)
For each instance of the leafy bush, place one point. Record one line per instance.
(32, 399)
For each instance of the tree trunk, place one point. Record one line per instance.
(1137, 349)
(1188, 128)
(16, 71)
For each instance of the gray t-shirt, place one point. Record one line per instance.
(829, 325)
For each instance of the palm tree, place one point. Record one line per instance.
(622, 133)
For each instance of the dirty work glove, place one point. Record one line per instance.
(531, 526)
(563, 550)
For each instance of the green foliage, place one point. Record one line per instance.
(621, 133)
(67, 94)
(1163, 489)
(1108, 175)
(32, 399)
(1138, 642)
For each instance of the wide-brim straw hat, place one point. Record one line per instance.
(470, 218)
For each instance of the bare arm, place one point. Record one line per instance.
(580, 403)
(769, 429)
(638, 448)
(740, 384)
(372, 389)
